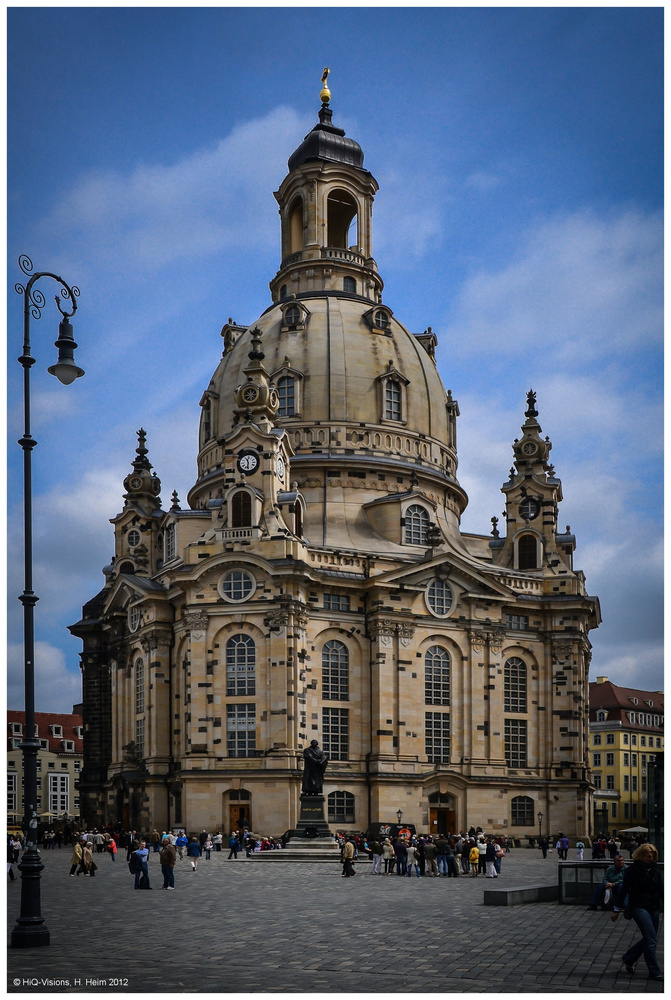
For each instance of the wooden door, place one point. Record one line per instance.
(239, 817)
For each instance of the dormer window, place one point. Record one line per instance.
(379, 319)
(634, 701)
(393, 395)
(528, 556)
(68, 745)
(416, 524)
(601, 716)
(16, 728)
(382, 320)
(79, 732)
(286, 391)
(294, 317)
(56, 730)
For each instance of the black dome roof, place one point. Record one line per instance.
(326, 142)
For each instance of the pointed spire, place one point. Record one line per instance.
(142, 483)
(175, 501)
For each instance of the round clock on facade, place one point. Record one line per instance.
(529, 448)
(250, 394)
(280, 467)
(530, 508)
(135, 483)
(248, 462)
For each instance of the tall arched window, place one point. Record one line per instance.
(241, 510)
(392, 400)
(296, 225)
(298, 519)
(416, 525)
(437, 676)
(522, 811)
(515, 685)
(240, 665)
(286, 390)
(139, 687)
(341, 807)
(341, 219)
(335, 671)
(527, 552)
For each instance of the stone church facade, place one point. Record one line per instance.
(317, 584)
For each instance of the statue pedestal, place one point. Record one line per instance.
(311, 823)
(311, 840)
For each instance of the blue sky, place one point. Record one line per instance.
(519, 157)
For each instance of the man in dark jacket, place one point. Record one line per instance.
(441, 854)
(401, 852)
(168, 857)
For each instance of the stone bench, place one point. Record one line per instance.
(515, 895)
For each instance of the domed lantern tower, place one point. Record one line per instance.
(318, 586)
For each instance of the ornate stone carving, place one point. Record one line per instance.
(562, 648)
(158, 642)
(196, 623)
(378, 627)
(478, 640)
(496, 638)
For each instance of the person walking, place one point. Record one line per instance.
(88, 865)
(76, 859)
(233, 845)
(155, 841)
(543, 844)
(388, 857)
(643, 890)
(168, 857)
(142, 876)
(218, 840)
(490, 858)
(474, 859)
(112, 848)
(181, 844)
(401, 852)
(348, 857)
(441, 854)
(430, 853)
(579, 850)
(193, 852)
(412, 859)
(376, 856)
(208, 847)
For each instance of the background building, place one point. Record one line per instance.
(59, 764)
(626, 735)
(318, 585)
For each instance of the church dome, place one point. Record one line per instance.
(327, 142)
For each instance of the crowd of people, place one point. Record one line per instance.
(444, 855)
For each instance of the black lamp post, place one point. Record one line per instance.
(399, 816)
(30, 931)
(540, 826)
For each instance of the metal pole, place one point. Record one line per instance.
(30, 930)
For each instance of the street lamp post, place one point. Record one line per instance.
(30, 931)
(540, 826)
(399, 816)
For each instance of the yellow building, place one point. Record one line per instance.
(59, 764)
(626, 730)
(318, 585)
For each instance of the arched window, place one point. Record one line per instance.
(286, 390)
(283, 292)
(527, 552)
(392, 400)
(341, 215)
(601, 716)
(416, 525)
(348, 284)
(341, 807)
(437, 676)
(169, 543)
(241, 510)
(382, 320)
(207, 420)
(335, 671)
(292, 316)
(296, 225)
(522, 811)
(298, 519)
(515, 685)
(240, 665)
(139, 687)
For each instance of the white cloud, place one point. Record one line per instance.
(57, 688)
(582, 287)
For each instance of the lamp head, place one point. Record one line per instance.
(65, 370)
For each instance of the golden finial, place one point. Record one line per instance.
(325, 95)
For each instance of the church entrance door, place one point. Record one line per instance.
(240, 816)
(442, 821)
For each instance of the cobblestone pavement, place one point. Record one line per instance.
(274, 927)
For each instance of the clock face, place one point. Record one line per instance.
(280, 467)
(250, 394)
(135, 483)
(248, 462)
(529, 509)
(529, 448)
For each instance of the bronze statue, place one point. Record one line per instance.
(313, 772)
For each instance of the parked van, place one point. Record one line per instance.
(380, 831)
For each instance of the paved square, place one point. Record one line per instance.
(274, 927)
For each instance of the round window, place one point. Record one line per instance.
(439, 598)
(134, 619)
(133, 538)
(238, 585)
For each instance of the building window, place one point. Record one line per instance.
(597, 780)
(139, 738)
(68, 746)
(241, 730)
(392, 400)
(601, 716)
(613, 810)
(286, 390)
(133, 538)
(59, 797)
(634, 760)
(56, 730)
(610, 760)
(515, 740)
(643, 743)
(382, 320)
(12, 792)
(139, 687)
(439, 598)
(77, 765)
(625, 786)
(634, 739)
(658, 742)
(238, 585)
(515, 685)
(16, 728)
(240, 665)
(437, 737)
(522, 811)
(241, 510)
(610, 782)
(292, 316)
(610, 739)
(597, 760)
(335, 671)
(335, 732)
(634, 810)
(416, 525)
(644, 784)
(625, 739)
(437, 676)
(341, 807)
(336, 602)
(597, 739)
(527, 552)
(349, 285)
(518, 623)
(64, 767)
(169, 543)
(625, 759)
(634, 782)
